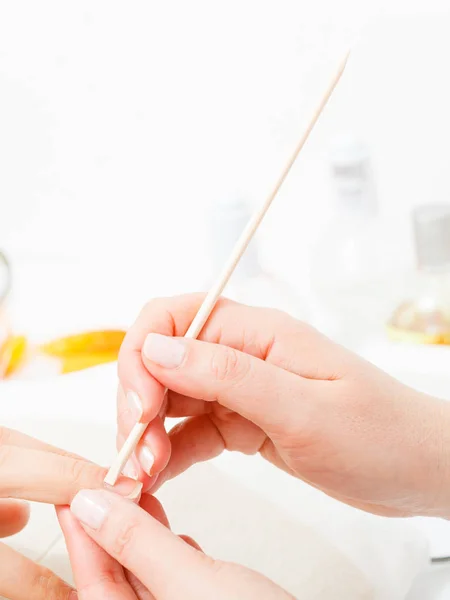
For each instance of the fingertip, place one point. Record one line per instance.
(14, 516)
(153, 451)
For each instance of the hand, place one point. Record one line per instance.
(32, 470)
(260, 381)
(20, 578)
(158, 565)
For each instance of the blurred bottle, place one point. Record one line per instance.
(249, 284)
(351, 269)
(424, 316)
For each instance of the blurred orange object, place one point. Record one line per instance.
(78, 362)
(19, 358)
(90, 343)
(12, 355)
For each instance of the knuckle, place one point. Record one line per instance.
(106, 582)
(125, 539)
(218, 568)
(80, 473)
(227, 364)
(50, 586)
(76, 471)
(155, 305)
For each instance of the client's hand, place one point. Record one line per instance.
(21, 578)
(32, 470)
(158, 565)
(260, 381)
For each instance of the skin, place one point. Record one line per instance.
(32, 470)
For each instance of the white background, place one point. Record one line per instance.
(120, 123)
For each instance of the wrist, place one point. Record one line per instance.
(434, 447)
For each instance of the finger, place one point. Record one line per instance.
(144, 394)
(169, 567)
(99, 568)
(179, 405)
(22, 579)
(11, 437)
(258, 391)
(154, 508)
(46, 477)
(139, 542)
(14, 515)
(264, 333)
(191, 542)
(154, 449)
(96, 574)
(134, 470)
(198, 439)
(169, 316)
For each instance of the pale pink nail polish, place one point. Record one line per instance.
(91, 507)
(165, 351)
(147, 459)
(130, 470)
(135, 405)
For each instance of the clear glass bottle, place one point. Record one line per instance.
(424, 315)
(350, 268)
(250, 283)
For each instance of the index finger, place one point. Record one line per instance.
(169, 316)
(42, 476)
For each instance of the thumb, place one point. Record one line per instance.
(169, 567)
(259, 391)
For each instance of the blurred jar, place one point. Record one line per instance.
(424, 314)
(353, 270)
(250, 283)
(5, 286)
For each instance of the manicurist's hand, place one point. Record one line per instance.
(32, 470)
(120, 551)
(258, 380)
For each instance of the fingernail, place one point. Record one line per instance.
(128, 488)
(165, 351)
(90, 507)
(146, 458)
(135, 405)
(130, 470)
